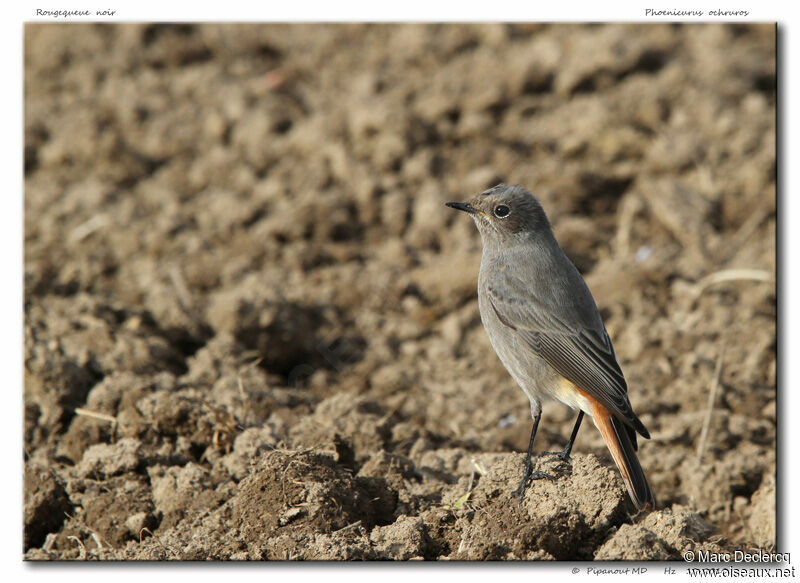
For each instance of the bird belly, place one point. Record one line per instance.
(566, 392)
(531, 372)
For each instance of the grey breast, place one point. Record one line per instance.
(532, 373)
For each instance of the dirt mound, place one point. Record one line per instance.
(251, 328)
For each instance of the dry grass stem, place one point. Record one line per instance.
(712, 397)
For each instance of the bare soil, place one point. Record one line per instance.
(251, 326)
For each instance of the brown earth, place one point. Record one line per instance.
(251, 328)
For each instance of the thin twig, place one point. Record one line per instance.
(88, 227)
(97, 539)
(101, 417)
(712, 397)
(631, 206)
(478, 466)
(95, 415)
(82, 555)
(731, 275)
(349, 526)
(49, 541)
(461, 544)
(184, 296)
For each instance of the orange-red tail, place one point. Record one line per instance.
(619, 443)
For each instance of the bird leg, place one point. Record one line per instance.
(526, 472)
(564, 453)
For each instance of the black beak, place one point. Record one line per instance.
(462, 206)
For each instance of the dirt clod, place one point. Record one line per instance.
(46, 505)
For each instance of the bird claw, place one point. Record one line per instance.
(540, 476)
(562, 455)
(520, 491)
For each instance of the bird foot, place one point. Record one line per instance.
(562, 455)
(520, 491)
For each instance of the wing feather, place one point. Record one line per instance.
(579, 350)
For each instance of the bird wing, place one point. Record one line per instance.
(577, 347)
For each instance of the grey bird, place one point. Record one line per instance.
(545, 327)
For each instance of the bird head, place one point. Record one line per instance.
(505, 212)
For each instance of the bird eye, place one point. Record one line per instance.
(501, 211)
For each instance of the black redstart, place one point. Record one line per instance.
(545, 327)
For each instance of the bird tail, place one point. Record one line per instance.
(623, 451)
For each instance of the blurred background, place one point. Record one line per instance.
(235, 239)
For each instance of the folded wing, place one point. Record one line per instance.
(576, 346)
